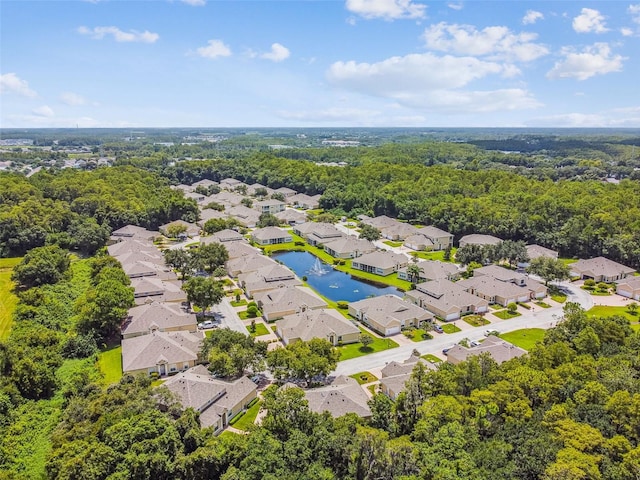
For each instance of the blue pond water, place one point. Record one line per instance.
(333, 284)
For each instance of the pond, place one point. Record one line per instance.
(333, 284)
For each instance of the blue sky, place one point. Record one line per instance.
(375, 63)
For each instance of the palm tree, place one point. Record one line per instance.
(413, 272)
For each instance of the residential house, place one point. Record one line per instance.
(389, 314)
(270, 236)
(133, 231)
(395, 375)
(500, 350)
(503, 286)
(157, 316)
(247, 217)
(304, 201)
(398, 231)
(320, 323)
(217, 401)
(536, 251)
(131, 245)
(432, 270)
(183, 187)
(378, 222)
(629, 287)
(226, 198)
(149, 269)
(267, 278)
(285, 301)
(479, 239)
(270, 205)
(429, 238)
(148, 289)
(205, 182)
(160, 352)
(229, 183)
(287, 192)
(208, 214)
(198, 197)
(343, 396)
(317, 233)
(447, 300)
(251, 190)
(240, 249)
(601, 269)
(130, 258)
(348, 246)
(291, 216)
(381, 262)
(225, 237)
(191, 228)
(248, 263)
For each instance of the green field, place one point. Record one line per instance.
(354, 350)
(110, 364)
(525, 338)
(8, 300)
(605, 311)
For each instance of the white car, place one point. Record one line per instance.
(207, 324)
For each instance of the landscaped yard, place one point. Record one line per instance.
(506, 314)
(391, 243)
(525, 338)
(364, 377)
(439, 255)
(545, 305)
(261, 329)
(606, 311)
(8, 300)
(110, 364)
(476, 320)
(238, 304)
(248, 418)
(417, 334)
(450, 328)
(354, 350)
(245, 316)
(431, 358)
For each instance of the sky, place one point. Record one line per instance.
(326, 63)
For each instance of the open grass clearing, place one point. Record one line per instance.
(110, 364)
(354, 350)
(476, 320)
(364, 377)
(450, 328)
(8, 300)
(607, 311)
(525, 338)
(506, 314)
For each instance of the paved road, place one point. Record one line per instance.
(540, 319)
(228, 316)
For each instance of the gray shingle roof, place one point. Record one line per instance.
(163, 316)
(147, 351)
(343, 396)
(320, 323)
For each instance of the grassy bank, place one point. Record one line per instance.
(8, 300)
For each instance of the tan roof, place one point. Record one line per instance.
(399, 229)
(240, 249)
(291, 215)
(433, 232)
(133, 231)
(226, 235)
(600, 266)
(500, 350)
(146, 351)
(269, 233)
(156, 315)
(488, 286)
(131, 245)
(435, 270)
(445, 296)
(310, 324)
(382, 259)
(500, 273)
(350, 243)
(248, 263)
(379, 222)
(343, 396)
(535, 251)
(390, 309)
(149, 286)
(479, 239)
(630, 282)
(205, 182)
(288, 298)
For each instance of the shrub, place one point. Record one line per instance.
(590, 282)
(512, 307)
(252, 312)
(343, 305)
(298, 243)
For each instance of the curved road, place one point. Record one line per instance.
(540, 319)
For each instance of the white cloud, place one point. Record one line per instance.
(426, 81)
(628, 117)
(43, 111)
(278, 53)
(119, 35)
(214, 49)
(386, 9)
(634, 11)
(595, 59)
(11, 83)
(626, 32)
(455, 6)
(495, 42)
(195, 3)
(72, 99)
(589, 21)
(532, 17)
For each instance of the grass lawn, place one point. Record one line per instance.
(431, 358)
(450, 328)
(525, 338)
(364, 377)
(227, 433)
(238, 304)
(506, 314)
(110, 364)
(245, 316)
(545, 305)
(439, 255)
(605, 311)
(261, 329)
(373, 389)
(249, 417)
(495, 306)
(568, 261)
(416, 334)
(8, 300)
(558, 297)
(391, 280)
(354, 350)
(476, 320)
(391, 243)
(636, 326)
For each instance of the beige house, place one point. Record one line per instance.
(209, 214)
(388, 314)
(155, 316)
(271, 206)
(317, 233)
(304, 201)
(251, 189)
(398, 231)
(495, 291)
(248, 263)
(125, 245)
(291, 216)
(267, 278)
(247, 217)
(445, 299)
(191, 229)
(229, 183)
(287, 192)
(499, 350)
(205, 182)
(348, 246)
(160, 352)
(343, 396)
(148, 289)
(601, 269)
(281, 302)
(143, 268)
(395, 375)
(133, 231)
(216, 400)
(432, 270)
(381, 262)
(629, 287)
(223, 236)
(321, 323)
(479, 239)
(270, 236)
(148, 256)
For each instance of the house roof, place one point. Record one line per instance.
(400, 368)
(500, 273)
(382, 259)
(286, 191)
(269, 233)
(630, 282)
(350, 243)
(535, 251)
(314, 324)
(205, 182)
(227, 197)
(418, 239)
(399, 229)
(479, 239)
(600, 266)
(240, 249)
(445, 296)
(343, 396)
(248, 263)
(303, 198)
(227, 235)
(500, 350)
(269, 202)
(132, 245)
(321, 231)
(145, 269)
(209, 213)
(435, 270)
(192, 228)
(156, 315)
(378, 222)
(135, 232)
(146, 351)
(286, 298)
(488, 286)
(149, 286)
(433, 232)
(290, 215)
(390, 309)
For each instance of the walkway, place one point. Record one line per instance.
(538, 319)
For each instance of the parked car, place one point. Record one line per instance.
(437, 328)
(491, 332)
(446, 350)
(474, 344)
(207, 324)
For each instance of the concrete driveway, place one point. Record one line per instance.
(545, 319)
(228, 317)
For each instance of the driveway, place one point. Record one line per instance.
(545, 319)
(228, 317)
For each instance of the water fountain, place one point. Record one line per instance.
(318, 268)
